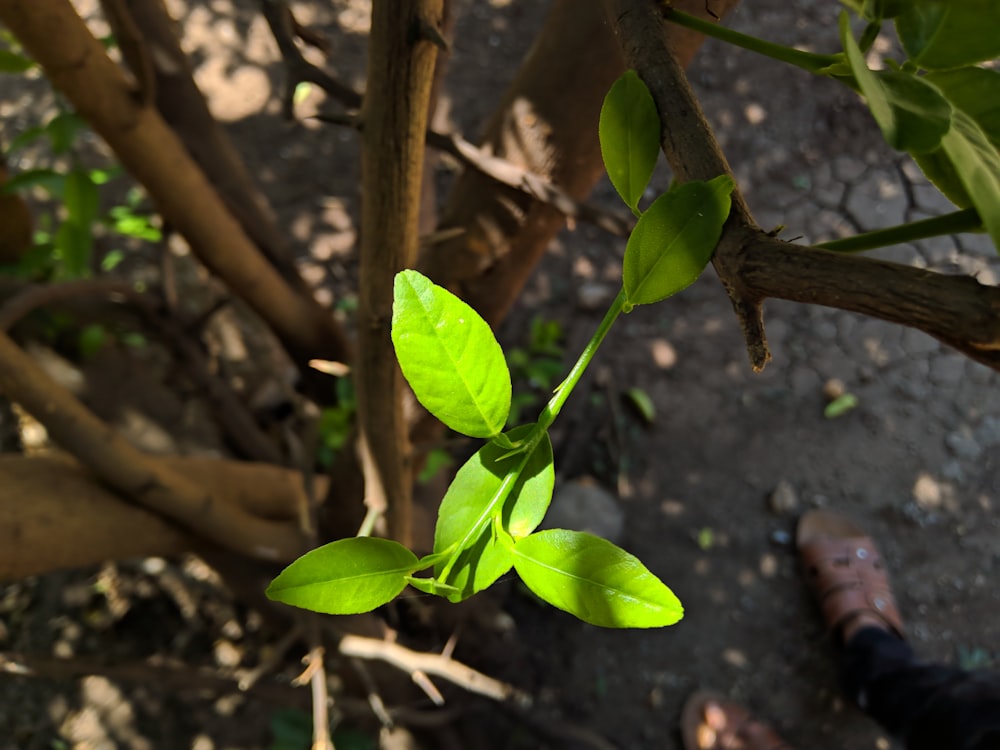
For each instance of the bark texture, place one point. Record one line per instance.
(144, 479)
(402, 54)
(55, 514)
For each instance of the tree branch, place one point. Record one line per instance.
(231, 412)
(400, 73)
(297, 69)
(140, 477)
(438, 665)
(546, 124)
(77, 65)
(55, 514)
(753, 266)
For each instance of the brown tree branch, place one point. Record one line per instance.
(77, 65)
(511, 175)
(233, 415)
(297, 69)
(545, 124)
(183, 106)
(400, 73)
(55, 514)
(140, 477)
(753, 266)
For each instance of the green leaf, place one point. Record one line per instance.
(840, 406)
(977, 165)
(92, 339)
(11, 62)
(594, 580)
(346, 577)
(643, 404)
(52, 182)
(921, 114)
(472, 500)
(73, 244)
(938, 168)
(941, 34)
(674, 239)
(81, 197)
(450, 357)
(62, 130)
(975, 91)
(912, 114)
(630, 137)
(25, 138)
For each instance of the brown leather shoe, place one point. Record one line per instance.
(845, 571)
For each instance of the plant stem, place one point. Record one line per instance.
(967, 220)
(809, 61)
(552, 409)
(545, 420)
(495, 502)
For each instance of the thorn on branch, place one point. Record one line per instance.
(426, 31)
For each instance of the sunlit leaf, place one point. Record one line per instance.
(594, 580)
(630, 137)
(468, 504)
(674, 239)
(450, 357)
(346, 577)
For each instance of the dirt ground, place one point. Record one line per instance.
(709, 492)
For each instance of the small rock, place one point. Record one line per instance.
(927, 492)
(585, 506)
(781, 537)
(592, 295)
(833, 389)
(988, 432)
(768, 565)
(783, 499)
(963, 444)
(735, 658)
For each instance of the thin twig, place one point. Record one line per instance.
(185, 677)
(298, 70)
(431, 664)
(374, 696)
(511, 175)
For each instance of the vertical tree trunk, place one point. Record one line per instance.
(400, 74)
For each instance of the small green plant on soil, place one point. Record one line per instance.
(939, 105)
(487, 520)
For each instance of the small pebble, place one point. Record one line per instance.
(783, 499)
(781, 538)
(833, 389)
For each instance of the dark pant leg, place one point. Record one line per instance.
(929, 706)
